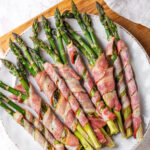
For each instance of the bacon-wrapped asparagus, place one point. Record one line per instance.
(102, 110)
(53, 75)
(103, 77)
(130, 80)
(18, 117)
(111, 53)
(35, 122)
(57, 100)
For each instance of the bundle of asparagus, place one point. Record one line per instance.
(102, 73)
(117, 48)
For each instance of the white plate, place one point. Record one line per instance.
(140, 63)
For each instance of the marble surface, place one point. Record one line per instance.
(26, 10)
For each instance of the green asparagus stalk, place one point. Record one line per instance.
(35, 30)
(22, 96)
(61, 48)
(77, 16)
(23, 70)
(17, 73)
(25, 51)
(48, 32)
(38, 136)
(18, 54)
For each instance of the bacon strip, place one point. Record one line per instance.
(132, 87)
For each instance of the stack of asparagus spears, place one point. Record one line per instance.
(91, 112)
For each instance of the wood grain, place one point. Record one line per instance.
(140, 32)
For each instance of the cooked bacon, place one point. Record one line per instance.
(98, 71)
(135, 102)
(97, 123)
(34, 101)
(128, 73)
(56, 79)
(107, 83)
(64, 104)
(121, 86)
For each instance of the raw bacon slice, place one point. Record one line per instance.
(89, 84)
(135, 102)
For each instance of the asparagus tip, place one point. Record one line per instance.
(43, 17)
(14, 35)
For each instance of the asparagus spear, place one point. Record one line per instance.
(16, 72)
(25, 50)
(114, 33)
(18, 54)
(38, 137)
(35, 30)
(119, 73)
(48, 32)
(79, 129)
(13, 91)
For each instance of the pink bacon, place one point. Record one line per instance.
(81, 69)
(132, 88)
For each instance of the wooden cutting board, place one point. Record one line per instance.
(140, 32)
